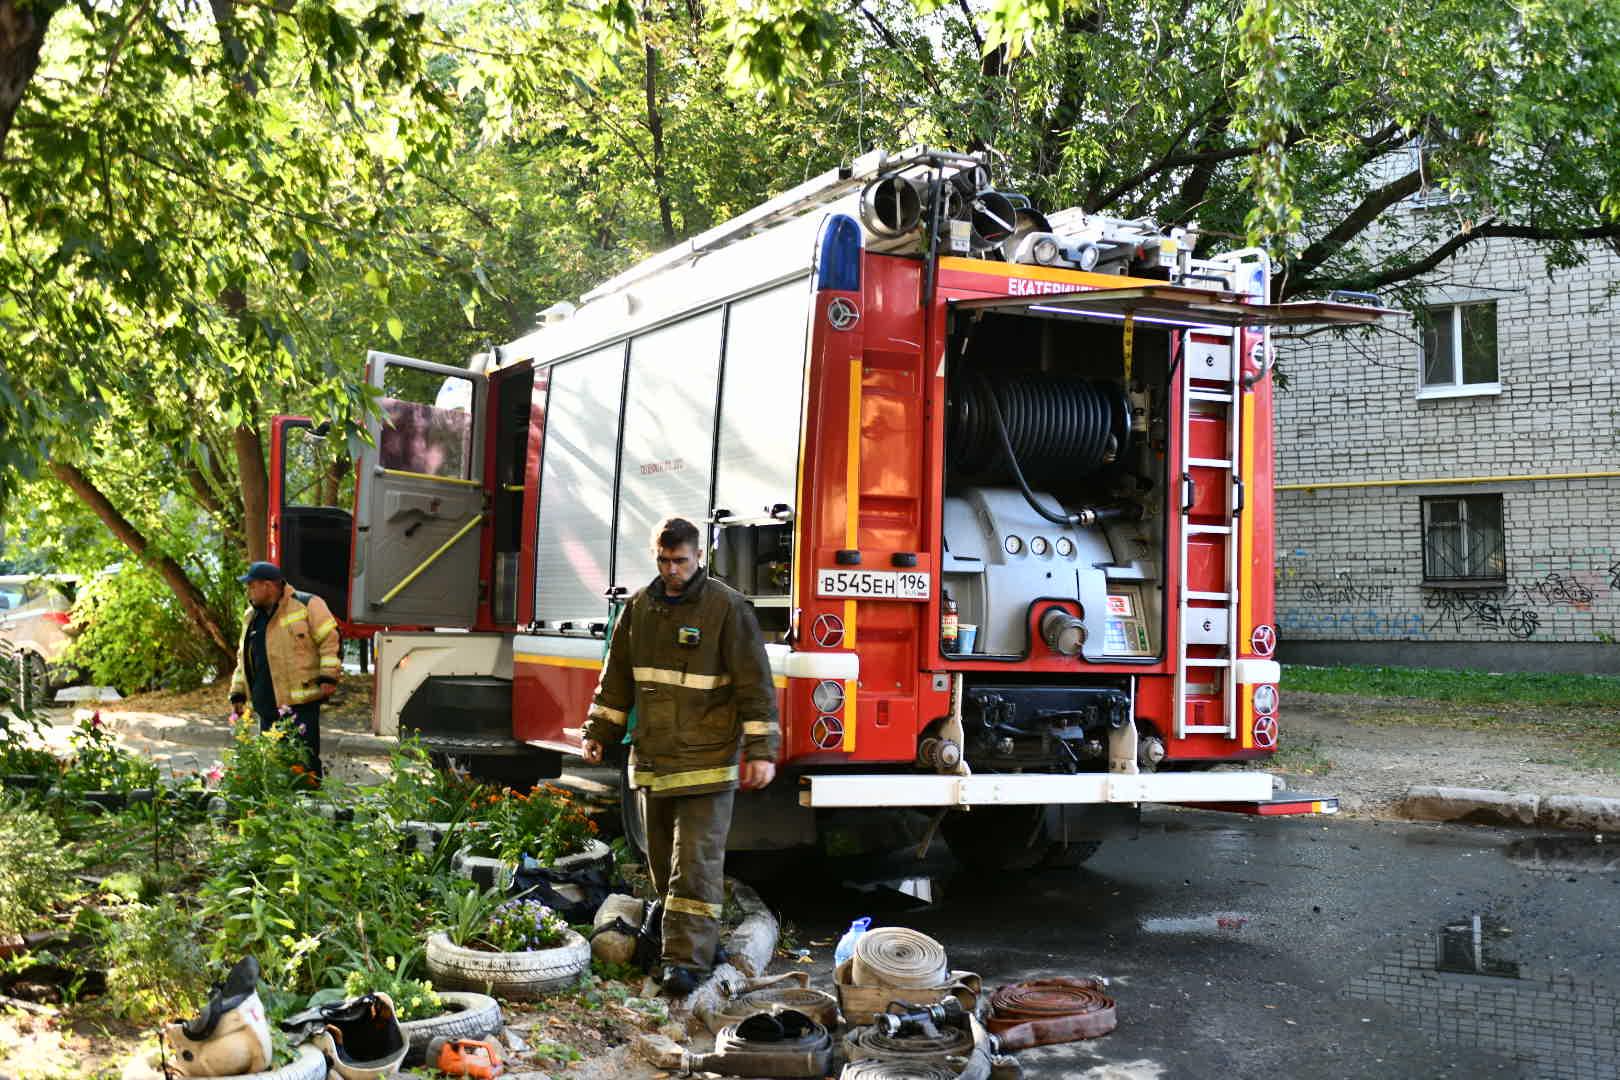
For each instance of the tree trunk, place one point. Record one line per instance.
(22, 35)
(173, 574)
(655, 124)
(255, 480)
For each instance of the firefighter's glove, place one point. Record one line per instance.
(238, 699)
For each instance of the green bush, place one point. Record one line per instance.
(311, 897)
(265, 766)
(155, 965)
(134, 635)
(36, 870)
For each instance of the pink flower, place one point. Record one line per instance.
(95, 718)
(215, 775)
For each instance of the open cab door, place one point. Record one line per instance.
(419, 497)
(311, 524)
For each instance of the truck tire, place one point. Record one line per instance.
(999, 839)
(520, 976)
(468, 1016)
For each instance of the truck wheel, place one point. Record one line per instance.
(998, 839)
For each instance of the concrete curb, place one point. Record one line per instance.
(1483, 806)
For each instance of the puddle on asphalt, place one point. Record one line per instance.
(1467, 984)
(1564, 855)
(1478, 946)
(1217, 922)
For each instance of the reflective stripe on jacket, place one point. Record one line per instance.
(697, 674)
(301, 643)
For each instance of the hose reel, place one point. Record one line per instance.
(1056, 424)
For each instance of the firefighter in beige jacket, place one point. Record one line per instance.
(687, 655)
(287, 659)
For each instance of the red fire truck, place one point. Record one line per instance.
(997, 483)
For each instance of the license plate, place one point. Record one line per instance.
(873, 584)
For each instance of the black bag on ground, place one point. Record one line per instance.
(573, 894)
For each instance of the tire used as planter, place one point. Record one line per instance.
(308, 1063)
(466, 1016)
(521, 976)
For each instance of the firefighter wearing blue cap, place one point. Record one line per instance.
(287, 660)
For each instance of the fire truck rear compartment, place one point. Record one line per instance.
(1057, 549)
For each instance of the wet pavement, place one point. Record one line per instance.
(1282, 948)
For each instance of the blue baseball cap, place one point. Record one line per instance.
(261, 571)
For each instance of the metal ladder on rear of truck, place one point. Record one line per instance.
(1212, 385)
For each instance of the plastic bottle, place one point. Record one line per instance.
(846, 944)
(947, 623)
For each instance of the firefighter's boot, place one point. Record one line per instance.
(686, 857)
(229, 1037)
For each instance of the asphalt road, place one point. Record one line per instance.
(1289, 948)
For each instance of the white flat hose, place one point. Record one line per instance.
(898, 957)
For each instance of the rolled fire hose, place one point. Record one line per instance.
(768, 995)
(901, 958)
(865, 1043)
(981, 1062)
(1045, 1011)
(784, 1044)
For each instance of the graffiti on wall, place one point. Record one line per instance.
(1345, 606)
(1492, 609)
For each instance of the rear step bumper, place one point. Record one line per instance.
(1214, 790)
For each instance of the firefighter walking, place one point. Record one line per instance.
(287, 657)
(687, 655)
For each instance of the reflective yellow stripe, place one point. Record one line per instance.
(692, 907)
(617, 716)
(303, 697)
(331, 662)
(759, 727)
(680, 678)
(686, 779)
(643, 778)
(297, 616)
(324, 631)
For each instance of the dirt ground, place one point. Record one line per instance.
(1369, 751)
(1366, 751)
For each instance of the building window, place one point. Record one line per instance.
(1462, 539)
(1459, 349)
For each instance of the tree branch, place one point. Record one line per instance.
(894, 43)
(1486, 231)
(173, 574)
(1372, 205)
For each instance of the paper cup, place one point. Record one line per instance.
(965, 634)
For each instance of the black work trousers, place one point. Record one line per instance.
(686, 856)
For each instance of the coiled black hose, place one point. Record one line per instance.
(1056, 425)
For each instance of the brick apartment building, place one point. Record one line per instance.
(1449, 484)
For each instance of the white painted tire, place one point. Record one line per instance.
(474, 1016)
(308, 1064)
(520, 976)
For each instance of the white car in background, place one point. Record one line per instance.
(35, 613)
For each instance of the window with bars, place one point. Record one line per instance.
(1459, 347)
(1463, 540)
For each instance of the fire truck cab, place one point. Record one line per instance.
(998, 485)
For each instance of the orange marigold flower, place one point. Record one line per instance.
(298, 770)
